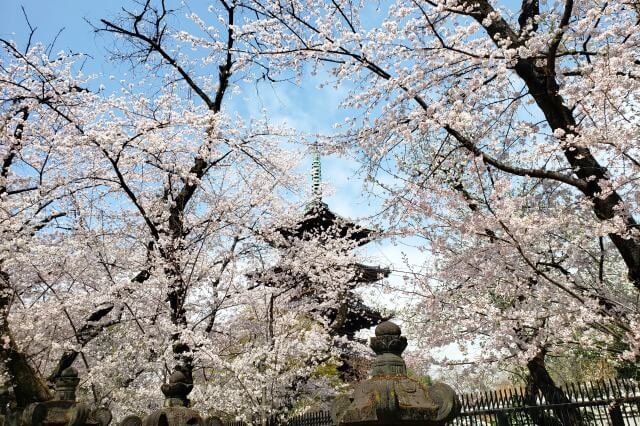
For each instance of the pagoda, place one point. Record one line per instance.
(319, 224)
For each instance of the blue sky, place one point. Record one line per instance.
(305, 107)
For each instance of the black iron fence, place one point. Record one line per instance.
(314, 418)
(614, 402)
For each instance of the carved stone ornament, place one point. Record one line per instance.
(176, 411)
(63, 408)
(389, 397)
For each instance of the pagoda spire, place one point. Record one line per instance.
(316, 174)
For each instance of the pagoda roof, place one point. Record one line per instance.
(358, 317)
(369, 273)
(276, 276)
(319, 221)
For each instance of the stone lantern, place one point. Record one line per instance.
(390, 397)
(63, 408)
(176, 411)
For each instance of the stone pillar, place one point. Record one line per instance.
(176, 411)
(389, 397)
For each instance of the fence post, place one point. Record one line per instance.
(616, 414)
(502, 419)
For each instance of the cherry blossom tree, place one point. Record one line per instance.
(506, 140)
(38, 179)
(132, 219)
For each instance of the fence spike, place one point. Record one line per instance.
(606, 389)
(572, 393)
(580, 391)
(595, 391)
(615, 388)
(592, 389)
(625, 389)
(511, 397)
(635, 386)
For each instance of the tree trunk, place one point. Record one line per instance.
(544, 88)
(26, 383)
(93, 325)
(540, 380)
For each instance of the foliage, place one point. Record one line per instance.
(506, 141)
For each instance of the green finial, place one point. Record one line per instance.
(316, 174)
